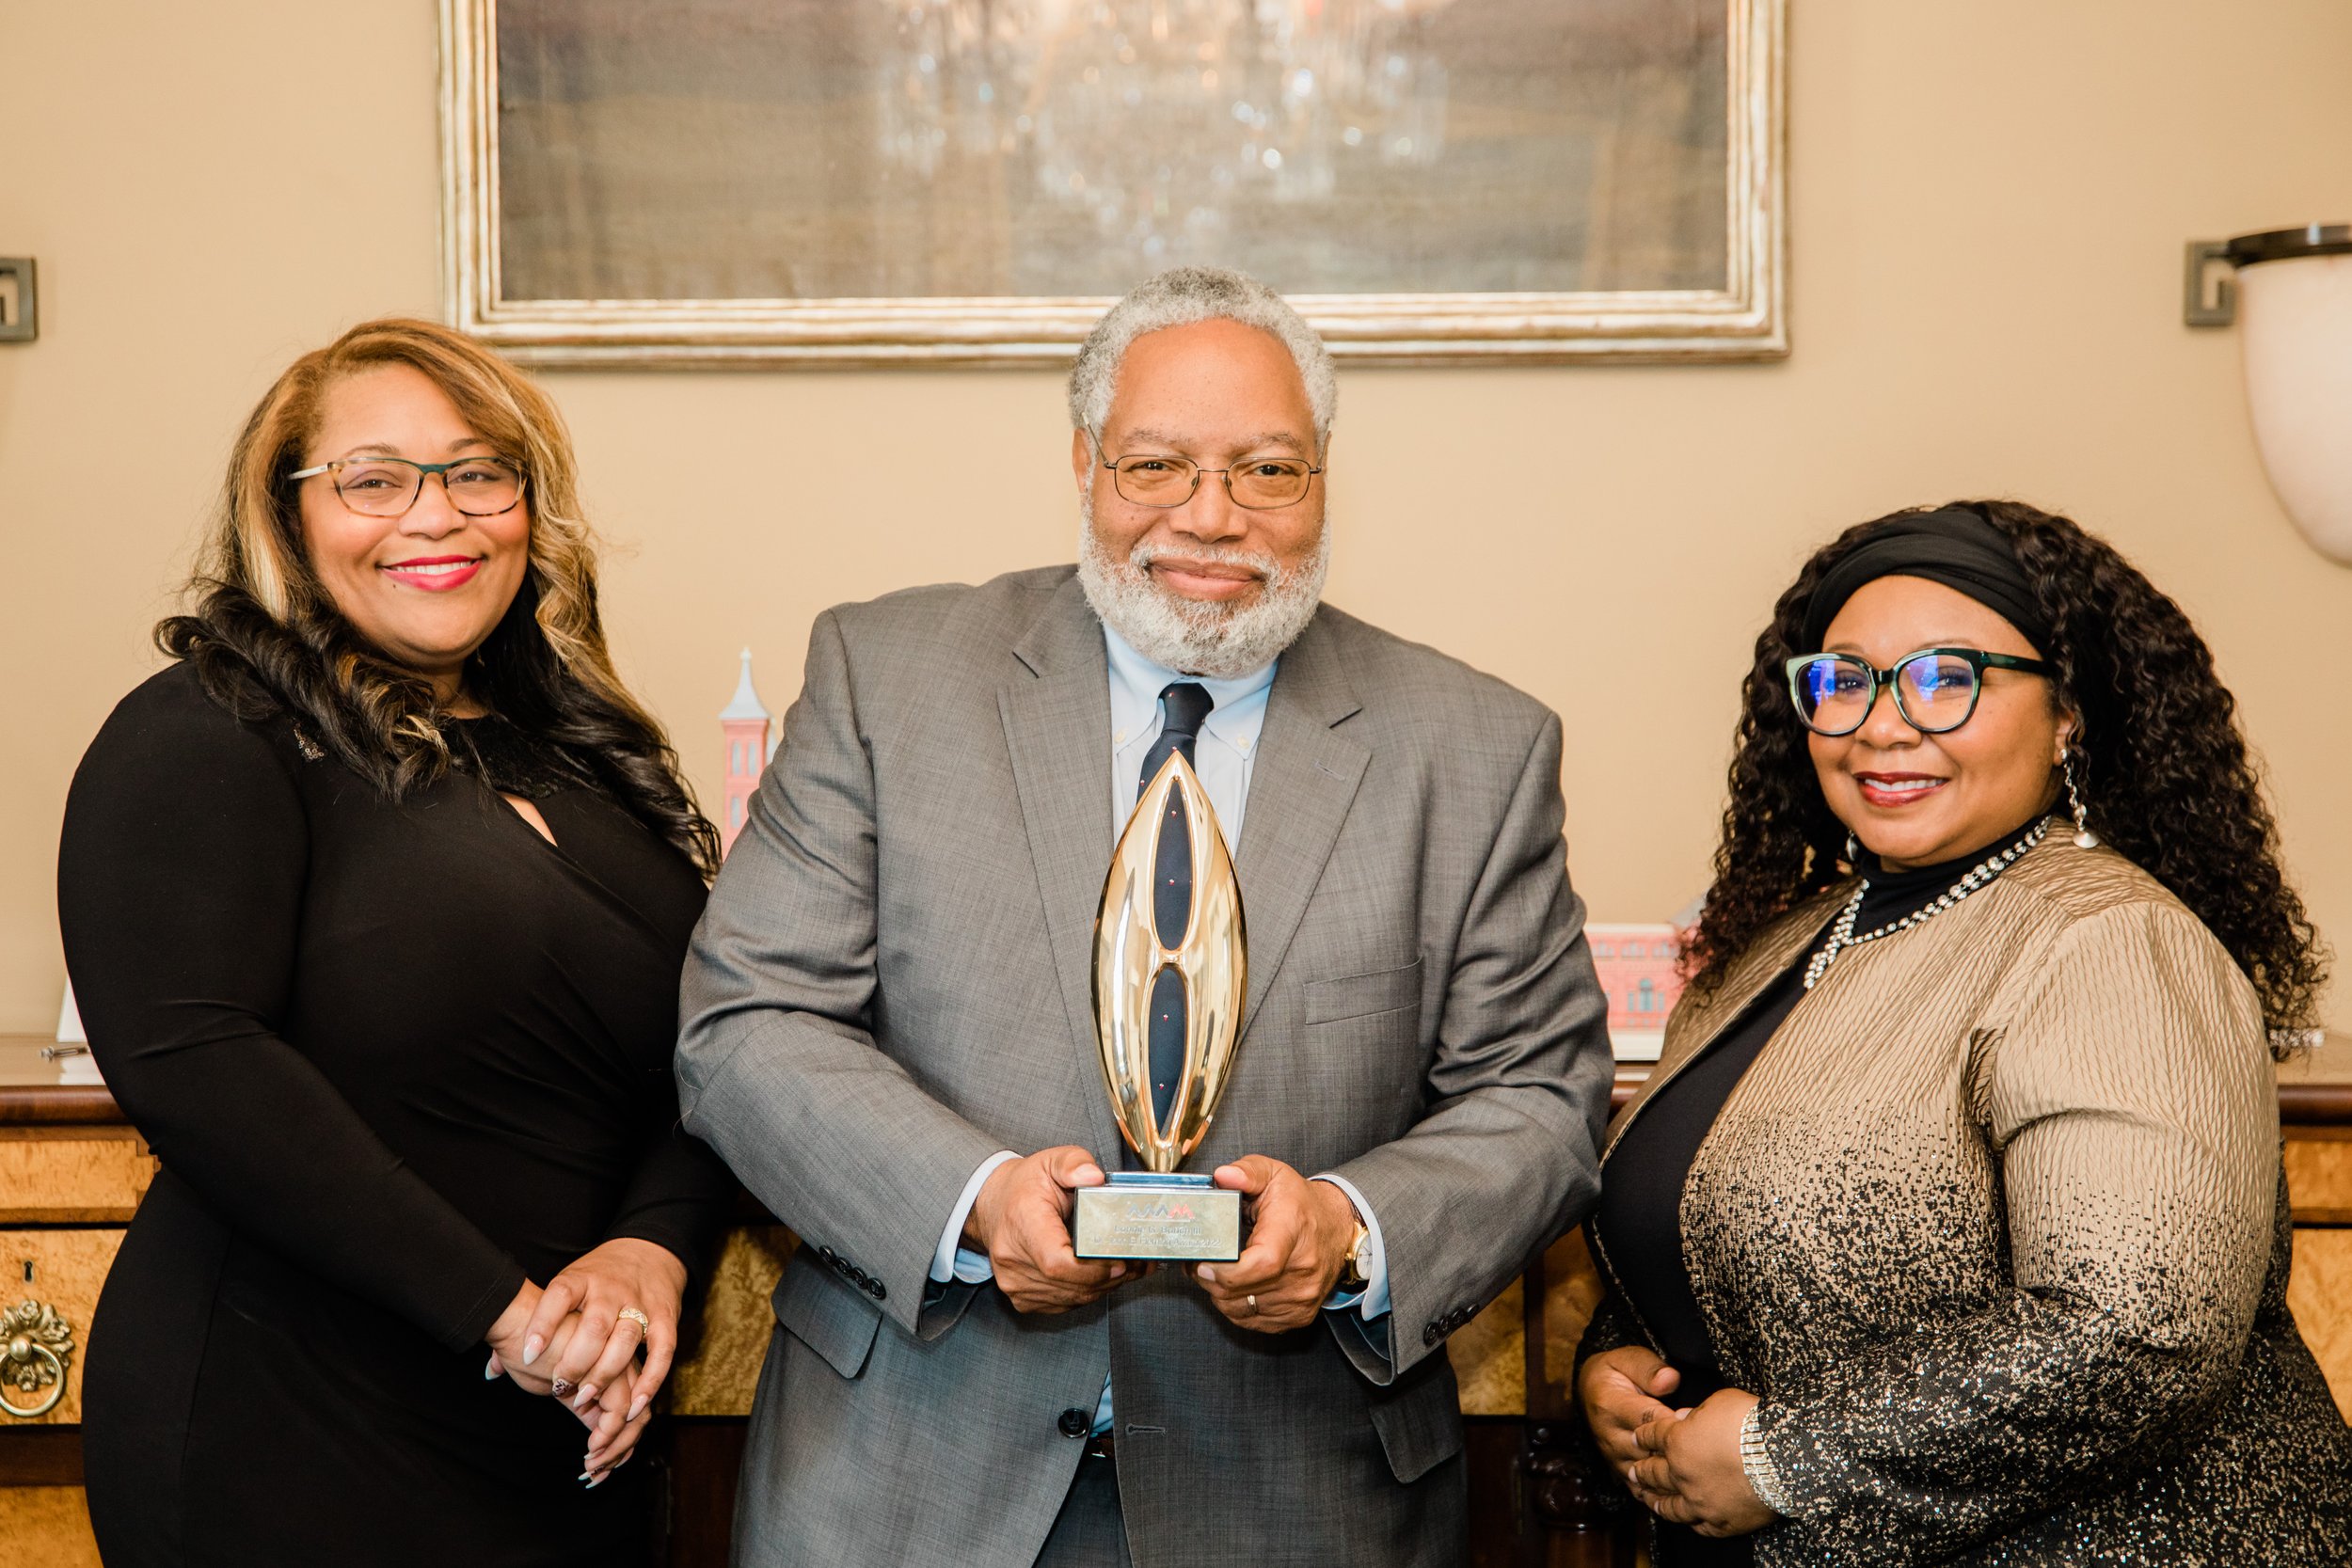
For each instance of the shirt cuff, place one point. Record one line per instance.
(1373, 1301)
(953, 1261)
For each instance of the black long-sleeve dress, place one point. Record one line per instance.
(394, 1057)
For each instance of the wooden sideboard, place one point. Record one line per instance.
(73, 1172)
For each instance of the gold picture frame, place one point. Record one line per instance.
(1745, 319)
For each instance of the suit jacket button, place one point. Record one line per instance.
(1075, 1422)
(1429, 1334)
(881, 1291)
(828, 1255)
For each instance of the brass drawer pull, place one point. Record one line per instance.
(38, 1344)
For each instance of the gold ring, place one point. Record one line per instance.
(637, 1316)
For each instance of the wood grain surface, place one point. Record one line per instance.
(2319, 1180)
(2319, 1293)
(45, 1526)
(1491, 1357)
(72, 1175)
(720, 1364)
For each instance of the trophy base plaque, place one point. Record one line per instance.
(1143, 1216)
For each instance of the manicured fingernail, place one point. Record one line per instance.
(587, 1393)
(1205, 1271)
(602, 1476)
(490, 1369)
(532, 1347)
(636, 1407)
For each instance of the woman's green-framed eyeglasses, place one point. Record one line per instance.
(388, 486)
(1935, 688)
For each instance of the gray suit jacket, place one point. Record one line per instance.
(892, 983)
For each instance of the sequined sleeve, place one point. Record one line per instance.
(2125, 1082)
(1611, 1327)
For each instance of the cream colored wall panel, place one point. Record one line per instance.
(1987, 208)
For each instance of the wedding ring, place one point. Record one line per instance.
(1254, 1304)
(637, 1316)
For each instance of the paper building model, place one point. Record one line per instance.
(744, 722)
(1636, 965)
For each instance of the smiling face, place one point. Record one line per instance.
(426, 588)
(1914, 798)
(1210, 580)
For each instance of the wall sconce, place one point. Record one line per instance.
(22, 324)
(2293, 287)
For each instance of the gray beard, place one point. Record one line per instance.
(1188, 636)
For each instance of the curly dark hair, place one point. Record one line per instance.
(2164, 772)
(265, 635)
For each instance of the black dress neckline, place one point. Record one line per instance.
(512, 760)
(1897, 894)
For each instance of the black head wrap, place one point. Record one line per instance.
(1954, 547)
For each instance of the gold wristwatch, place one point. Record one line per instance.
(1352, 1278)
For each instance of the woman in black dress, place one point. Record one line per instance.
(374, 901)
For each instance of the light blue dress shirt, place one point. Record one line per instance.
(1223, 757)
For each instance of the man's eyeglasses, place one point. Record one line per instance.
(1261, 485)
(1935, 688)
(388, 486)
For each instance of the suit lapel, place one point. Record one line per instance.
(1300, 789)
(1057, 714)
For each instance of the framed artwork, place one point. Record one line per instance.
(881, 182)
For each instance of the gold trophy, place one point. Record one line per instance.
(1170, 973)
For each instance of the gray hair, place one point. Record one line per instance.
(1178, 297)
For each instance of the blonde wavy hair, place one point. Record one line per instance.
(265, 633)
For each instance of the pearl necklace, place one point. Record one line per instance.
(1841, 935)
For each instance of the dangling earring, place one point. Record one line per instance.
(2083, 838)
(1853, 850)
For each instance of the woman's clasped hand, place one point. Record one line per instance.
(1681, 1463)
(578, 1339)
(1690, 1471)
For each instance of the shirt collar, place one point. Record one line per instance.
(1137, 684)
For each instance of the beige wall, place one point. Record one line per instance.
(1989, 205)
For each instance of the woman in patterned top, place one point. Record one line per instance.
(1951, 1227)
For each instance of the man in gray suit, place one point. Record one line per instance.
(889, 1036)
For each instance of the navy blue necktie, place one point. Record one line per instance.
(1184, 705)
